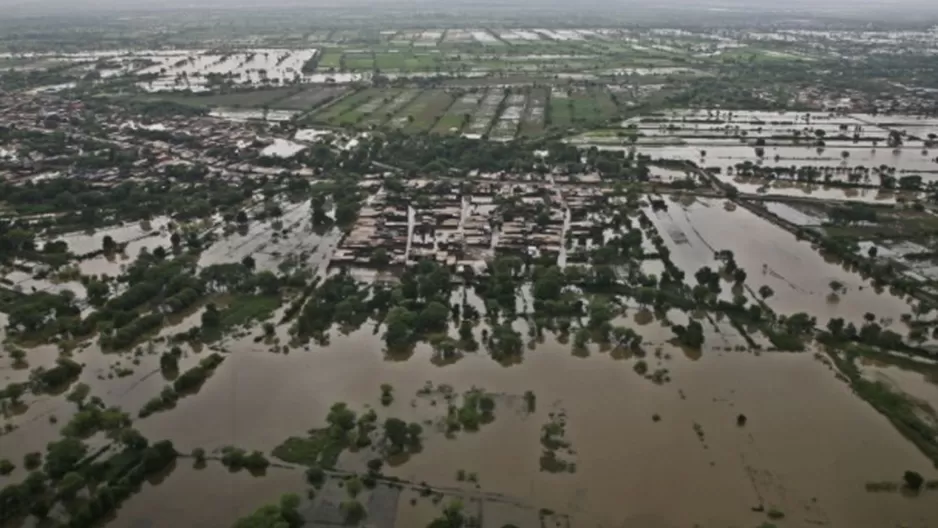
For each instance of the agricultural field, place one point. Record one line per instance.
(572, 107)
(198, 71)
(423, 112)
(847, 156)
(390, 108)
(333, 112)
(484, 116)
(307, 99)
(393, 269)
(533, 120)
(506, 126)
(459, 113)
(478, 111)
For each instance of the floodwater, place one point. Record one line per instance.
(905, 159)
(87, 242)
(918, 381)
(313, 134)
(232, 114)
(222, 496)
(793, 215)
(799, 276)
(269, 245)
(819, 191)
(807, 452)
(282, 148)
(629, 468)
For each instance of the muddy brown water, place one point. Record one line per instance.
(920, 384)
(210, 497)
(808, 448)
(817, 442)
(817, 190)
(798, 274)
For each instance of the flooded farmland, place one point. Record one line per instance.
(629, 468)
(615, 386)
(799, 276)
(635, 445)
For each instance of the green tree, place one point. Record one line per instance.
(487, 404)
(61, 456)
(108, 244)
(97, 292)
(352, 511)
(386, 394)
(32, 460)
(395, 431)
(70, 485)
(380, 258)
(14, 392)
(133, 439)
(433, 318)
(400, 325)
(353, 485)
(79, 394)
(18, 355)
(315, 476)
(341, 417)
(414, 431)
(913, 480)
(836, 327)
(211, 317)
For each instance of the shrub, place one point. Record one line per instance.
(913, 480)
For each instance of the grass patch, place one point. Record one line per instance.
(332, 113)
(320, 448)
(248, 308)
(425, 110)
(246, 99)
(897, 408)
(330, 59)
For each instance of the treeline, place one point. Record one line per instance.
(158, 287)
(68, 471)
(187, 383)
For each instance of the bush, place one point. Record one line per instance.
(386, 394)
(353, 486)
(353, 511)
(315, 476)
(32, 460)
(913, 480)
(375, 464)
(775, 514)
(641, 367)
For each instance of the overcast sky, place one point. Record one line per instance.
(61, 6)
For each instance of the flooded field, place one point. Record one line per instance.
(269, 243)
(918, 380)
(412, 273)
(636, 445)
(819, 191)
(799, 276)
(211, 496)
(629, 468)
